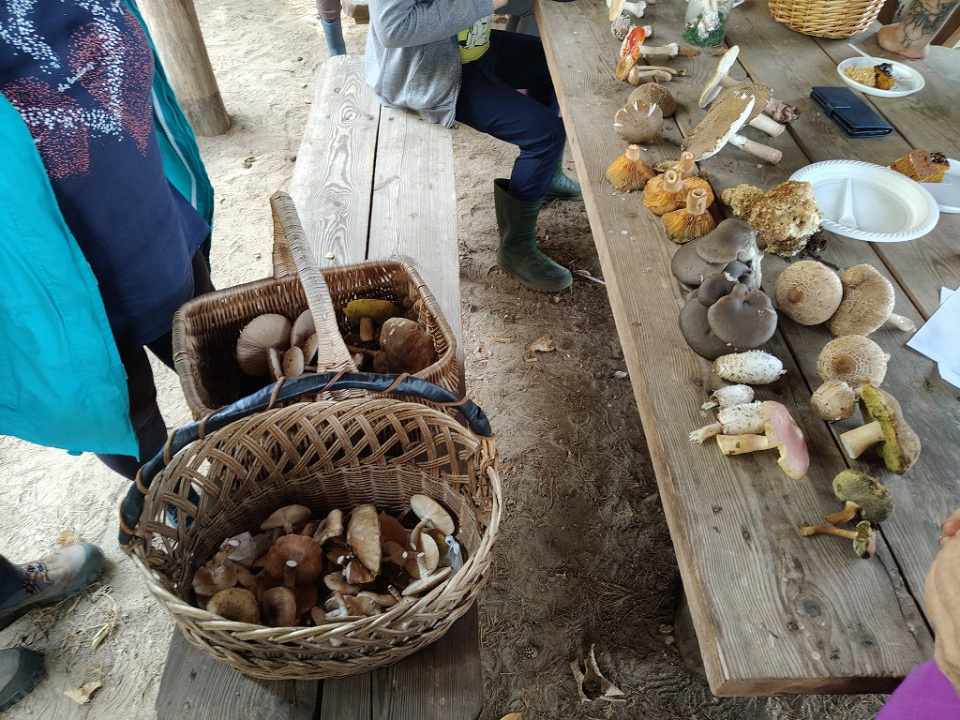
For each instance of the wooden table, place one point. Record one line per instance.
(773, 612)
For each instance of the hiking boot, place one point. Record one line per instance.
(518, 253)
(20, 670)
(55, 577)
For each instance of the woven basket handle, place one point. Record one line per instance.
(292, 255)
(283, 391)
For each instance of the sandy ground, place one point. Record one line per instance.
(584, 555)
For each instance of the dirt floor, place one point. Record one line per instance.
(584, 557)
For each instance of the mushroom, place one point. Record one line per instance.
(641, 75)
(732, 420)
(720, 126)
(690, 222)
(885, 424)
(696, 330)
(425, 559)
(217, 574)
(781, 432)
(620, 26)
(383, 600)
(632, 48)
(785, 217)
(374, 308)
(264, 332)
(330, 527)
(779, 111)
(733, 240)
(668, 192)
(279, 607)
(834, 400)
(427, 583)
(286, 517)
(729, 395)
(238, 604)
(864, 539)
(625, 6)
(391, 530)
(762, 94)
(753, 367)
(395, 553)
(293, 364)
(808, 292)
(357, 573)
(629, 171)
(431, 514)
(855, 359)
(363, 536)
(655, 93)
(745, 318)
(867, 303)
(860, 493)
(306, 553)
(638, 121)
(407, 347)
(302, 329)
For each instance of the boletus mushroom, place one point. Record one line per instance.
(860, 493)
(867, 303)
(781, 432)
(407, 347)
(884, 424)
(864, 539)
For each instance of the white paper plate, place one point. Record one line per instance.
(887, 206)
(907, 80)
(947, 193)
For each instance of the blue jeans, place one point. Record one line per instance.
(489, 102)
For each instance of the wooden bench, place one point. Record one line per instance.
(369, 183)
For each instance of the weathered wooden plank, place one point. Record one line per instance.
(331, 180)
(195, 686)
(773, 611)
(414, 210)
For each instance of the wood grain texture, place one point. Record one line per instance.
(194, 686)
(773, 611)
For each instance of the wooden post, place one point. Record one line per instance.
(176, 33)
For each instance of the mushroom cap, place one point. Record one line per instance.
(279, 607)
(834, 400)
(873, 499)
(691, 269)
(286, 515)
(426, 508)
(238, 604)
(363, 536)
(376, 309)
(808, 292)
(407, 347)
(865, 543)
(723, 67)
(638, 121)
(715, 287)
(655, 93)
(424, 584)
(867, 302)
(732, 239)
(331, 526)
(901, 446)
(762, 94)
(780, 426)
(336, 582)
(392, 530)
(719, 125)
(211, 578)
(293, 362)
(696, 330)
(266, 331)
(428, 554)
(303, 327)
(744, 318)
(855, 359)
(753, 367)
(302, 550)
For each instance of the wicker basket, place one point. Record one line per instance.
(205, 329)
(826, 18)
(326, 455)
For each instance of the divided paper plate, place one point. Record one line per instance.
(947, 193)
(882, 205)
(907, 80)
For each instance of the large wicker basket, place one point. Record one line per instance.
(205, 329)
(223, 475)
(826, 18)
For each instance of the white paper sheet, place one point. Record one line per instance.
(939, 337)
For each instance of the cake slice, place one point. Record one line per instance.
(922, 166)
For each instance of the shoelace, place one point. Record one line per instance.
(36, 574)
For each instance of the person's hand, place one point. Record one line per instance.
(942, 595)
(950, 527)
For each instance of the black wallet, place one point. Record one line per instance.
(849, 112)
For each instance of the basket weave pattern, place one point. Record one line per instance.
(324, 455)
(826, 18)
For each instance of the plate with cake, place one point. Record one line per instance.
(880, 77)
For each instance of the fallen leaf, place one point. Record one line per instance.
(531, 359)
(544, 343)
(101, 634)
(512, 716)
(689, 53)
(591, 684)
(81, 695)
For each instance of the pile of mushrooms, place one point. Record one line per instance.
(300, 571)
(632, 48)
(727, 311)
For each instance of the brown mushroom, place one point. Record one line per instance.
(808, 292)
(867, 303)
(330, 527)
(864, 539)
(629, 171)
(293, 364)
(407, 347)
(432, 514)
(356, 573)
(279, 607)
(286, 517)
(744, 318)
(780, 431)
(834, 400)
(757, 119)
(655, 93)
(884, 424)
(427, 583)
(303, 328)
(721, 124)
(855, 359)
(336, 582)
(392, 530)
(217, 574)
(238, 604)
(780, 111)
(638, 121)
(363, 536)
(306, 553)
(426, 557)
(264, 332)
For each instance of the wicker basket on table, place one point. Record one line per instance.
(225, 474)
(205, 329)
(826, 18)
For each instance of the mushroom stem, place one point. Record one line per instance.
(809, 530)
(290, 573)
(777, 109)
(841, 516)
(742, 444)
(864, 539)
(764, 152)
(670, 50)
(640, 74)
(901, 323)
(856, 441)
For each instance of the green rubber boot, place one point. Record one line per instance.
(518, 253)
(561, 186)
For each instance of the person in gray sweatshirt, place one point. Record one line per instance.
(441, 59)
